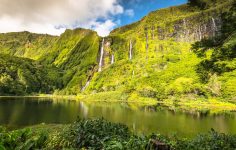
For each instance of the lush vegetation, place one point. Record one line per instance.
(100, 134)
(21, 76)
(26, 44)
(183, 55)
(75, 53)
(167, 65)
(53, 64)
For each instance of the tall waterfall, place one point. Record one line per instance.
(130, 50)
(214, 24)
(101, 56)
(112, 59)
(185, 26)
(214, 27)
(86, 85)
(200, 32)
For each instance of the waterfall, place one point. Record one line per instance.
(86, 85)
(205, 28)
(214, 24)
(200, 32)
(101, 56)
(214, 30)
(130, 50)
(112, 59)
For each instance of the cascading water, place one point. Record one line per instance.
(214, 30)
(101, 56)
(185, 27)
(214, 24)
(86, 85)
(130, 50)
(112, 59)
(200, 33)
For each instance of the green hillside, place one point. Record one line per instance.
(182, 55)
(73, 54)
(26, 44)
(166, 65)
(21, 76)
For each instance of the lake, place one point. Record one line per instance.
(18, 112)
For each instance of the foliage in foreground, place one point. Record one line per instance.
(101, 134)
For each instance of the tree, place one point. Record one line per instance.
(199, 3)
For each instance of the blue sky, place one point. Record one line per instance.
(55, 16)
(141, 8)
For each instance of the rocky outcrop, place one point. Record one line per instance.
(191, 29)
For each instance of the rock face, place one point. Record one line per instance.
(186, 30)
(106, 56)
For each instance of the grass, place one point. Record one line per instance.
(211, 106)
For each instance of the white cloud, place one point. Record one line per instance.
(45, 16)
(129, 12)
(103, 28)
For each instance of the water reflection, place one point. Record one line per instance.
(84, 109)
(20, 112)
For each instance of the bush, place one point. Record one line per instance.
(101, 134)
(184, 85)
(210, 141)
(21, 139)
(96, 133)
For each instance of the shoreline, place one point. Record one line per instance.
(211, 107)
(43, 96)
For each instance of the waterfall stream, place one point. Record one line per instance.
(130, 50)
(200, 33)
(101, 56)
(86, 85)
(214, 24)
(112, 59)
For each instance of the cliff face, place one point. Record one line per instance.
(74, 54)
(183, 23)
(153, 57)
(186, 31)
(26, 44)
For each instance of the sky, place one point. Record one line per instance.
(55, 16)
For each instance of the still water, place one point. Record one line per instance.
(21, 112)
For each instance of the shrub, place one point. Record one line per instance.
(95, 133)
(21, 139)
(210, 141)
